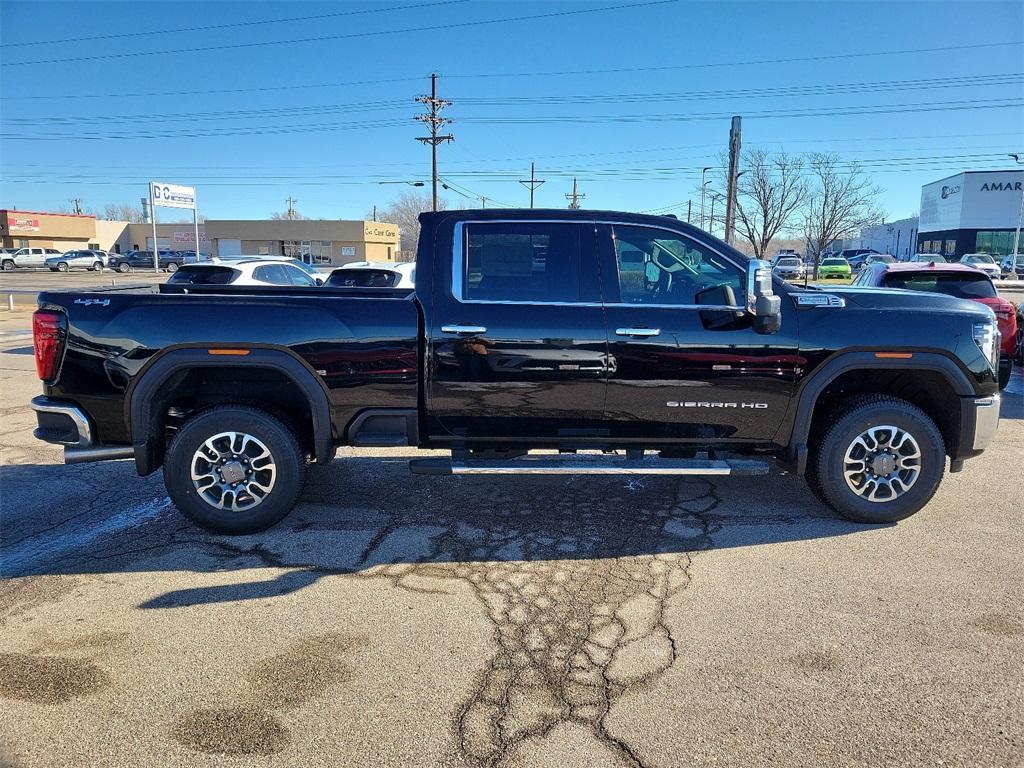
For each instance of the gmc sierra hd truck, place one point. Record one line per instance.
(603, 342)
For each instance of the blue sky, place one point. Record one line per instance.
(250, 119)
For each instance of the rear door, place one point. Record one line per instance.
(516, 339)
(684, 365)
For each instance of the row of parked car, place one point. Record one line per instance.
(790, 266)
(92, 259)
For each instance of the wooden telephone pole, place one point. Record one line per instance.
(730, 195)
(574, 197)
(435, 122)
(532, 183)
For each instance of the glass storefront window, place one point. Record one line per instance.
(950, 247)
(994, 243)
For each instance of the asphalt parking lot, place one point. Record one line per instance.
(402, 620)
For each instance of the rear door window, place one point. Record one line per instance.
(533, 262)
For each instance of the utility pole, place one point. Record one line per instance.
(689, 210)
(734, 161)
(375, 213)
(435, 122)
(575, 197)
(77, 202)
(483, 202)
(291, 209)
(703, 189)
(532, 183)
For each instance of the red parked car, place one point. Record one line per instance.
(959, 280)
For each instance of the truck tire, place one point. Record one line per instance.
(124, 267)
(8, 265)
(880, 460)
(234, 469)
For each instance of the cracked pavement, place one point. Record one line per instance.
(396, 619)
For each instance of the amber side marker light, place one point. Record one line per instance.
(895, 355)
(239, 352)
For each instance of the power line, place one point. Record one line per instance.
(947, 106)
(399, 104)
(347, 36)
(232, 25)
(711, 65)
(991, 79)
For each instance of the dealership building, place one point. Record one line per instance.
(972, 212)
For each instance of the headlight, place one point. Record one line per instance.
(986, 336)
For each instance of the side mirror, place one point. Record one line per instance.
(762, 303)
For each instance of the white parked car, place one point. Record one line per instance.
(27, 257)
(789, 267)
(243, 271)
(371, 274)
(982, 261)
(86, 259)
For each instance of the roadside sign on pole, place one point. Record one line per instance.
(172, 195)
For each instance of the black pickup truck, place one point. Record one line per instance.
(618, 342)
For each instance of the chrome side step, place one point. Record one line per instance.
(589, 464)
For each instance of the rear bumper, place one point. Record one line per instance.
(979, 422)
(63, 423)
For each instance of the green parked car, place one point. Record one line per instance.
(834, 266)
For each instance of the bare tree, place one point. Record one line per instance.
(405, 212)
(769, 194)
(283, 216)
(133, 214)
(840, 201)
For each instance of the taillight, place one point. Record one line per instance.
(48, 340)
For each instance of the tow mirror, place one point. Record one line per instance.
(762, 303)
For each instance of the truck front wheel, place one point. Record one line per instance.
(234, 469)
(881, 460)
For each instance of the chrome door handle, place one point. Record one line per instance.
(637, 331)
(463, 329)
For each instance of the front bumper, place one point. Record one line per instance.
(66, 424)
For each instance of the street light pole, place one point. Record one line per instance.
(1020, 215)
(703, 187)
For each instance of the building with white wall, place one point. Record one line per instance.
(971, 212)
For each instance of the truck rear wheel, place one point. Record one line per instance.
(234, 469)
(880, 461)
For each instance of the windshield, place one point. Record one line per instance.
(952, 284)
(834, 263)
(363, 278)
(882, 258)
(789, 262)
(979, 258)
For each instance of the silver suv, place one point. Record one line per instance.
(28, 257)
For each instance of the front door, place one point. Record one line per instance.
(516, 334)
(682, 366)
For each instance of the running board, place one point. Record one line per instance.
(587, 464)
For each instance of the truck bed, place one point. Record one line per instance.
(360, 343)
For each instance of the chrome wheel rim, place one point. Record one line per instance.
(234, 471)
(882, 463)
